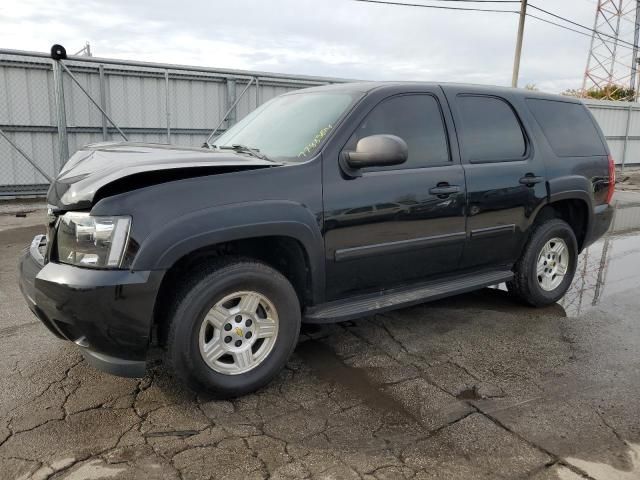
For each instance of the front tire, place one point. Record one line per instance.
(232, 328)
(547, 266)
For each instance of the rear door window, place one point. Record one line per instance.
(568, 128)
(491, 132)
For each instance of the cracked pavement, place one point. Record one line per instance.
(469, 387)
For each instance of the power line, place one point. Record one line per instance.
(476, 1)
(594, 3)
(450, 1)
(611, 39)
(573, 30)
(558, 25)
(579, 25)
(440, 7)
(604, 38)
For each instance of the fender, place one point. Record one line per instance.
(571, 187)
(238, 221)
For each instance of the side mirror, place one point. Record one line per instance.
(377, 151)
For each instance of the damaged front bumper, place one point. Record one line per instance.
(107, 313)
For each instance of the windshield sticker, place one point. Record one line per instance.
(315, 142)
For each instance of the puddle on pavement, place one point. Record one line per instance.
(472, 393)
(329, 368)
(609, 266)
(96, 469)
(172, 433)
(604, 470)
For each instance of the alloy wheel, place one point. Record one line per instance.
(553, 263)
(238, 333)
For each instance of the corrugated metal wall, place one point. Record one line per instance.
(620, 123)
(165, 103)
(149, 102)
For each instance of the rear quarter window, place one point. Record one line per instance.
(568, 128)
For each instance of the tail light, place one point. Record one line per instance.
(612, 179)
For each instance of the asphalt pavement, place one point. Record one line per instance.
(475, 386)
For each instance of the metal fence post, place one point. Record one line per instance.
(61, 117)
(625, 147)
(48, 144)
(166, 103)
(97, 105)
(231, 100)
(103, 102)
(257, 92)
(232, 108)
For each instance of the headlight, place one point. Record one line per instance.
(97, 242)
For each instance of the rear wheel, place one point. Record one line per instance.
(547, 266)
(233, 328)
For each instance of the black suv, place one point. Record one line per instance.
(322, 205)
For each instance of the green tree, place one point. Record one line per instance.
(608, 92)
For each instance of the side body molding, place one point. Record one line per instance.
(223, 223)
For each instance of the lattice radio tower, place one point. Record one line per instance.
(612, 61)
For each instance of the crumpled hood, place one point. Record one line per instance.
(101, 164)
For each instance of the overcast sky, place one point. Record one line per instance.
(339, 38)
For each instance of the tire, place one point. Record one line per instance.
(196, 333)
(527, 285)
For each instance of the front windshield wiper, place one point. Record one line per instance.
(254, 152)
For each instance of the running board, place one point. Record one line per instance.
(362, 305)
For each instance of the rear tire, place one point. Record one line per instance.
(232, 327)
(547, 266)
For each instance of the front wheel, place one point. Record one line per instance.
(233, 328)
(547, 266)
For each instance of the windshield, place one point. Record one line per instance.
(290, 127)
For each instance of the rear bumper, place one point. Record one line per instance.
(602, 217)
(108, 313)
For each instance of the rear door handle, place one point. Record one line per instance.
(531, 179)
(444, 189)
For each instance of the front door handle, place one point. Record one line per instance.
(444, 189)
(530, 179)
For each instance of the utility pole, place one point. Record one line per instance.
(516, 60)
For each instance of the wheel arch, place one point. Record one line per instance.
(573, 207)
(282, 234)
(211, 226)
(282, 253)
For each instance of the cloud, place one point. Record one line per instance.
(338, 38)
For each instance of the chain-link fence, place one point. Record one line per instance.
(49, 109)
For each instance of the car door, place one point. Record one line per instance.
(393, 225)
(505, 174)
